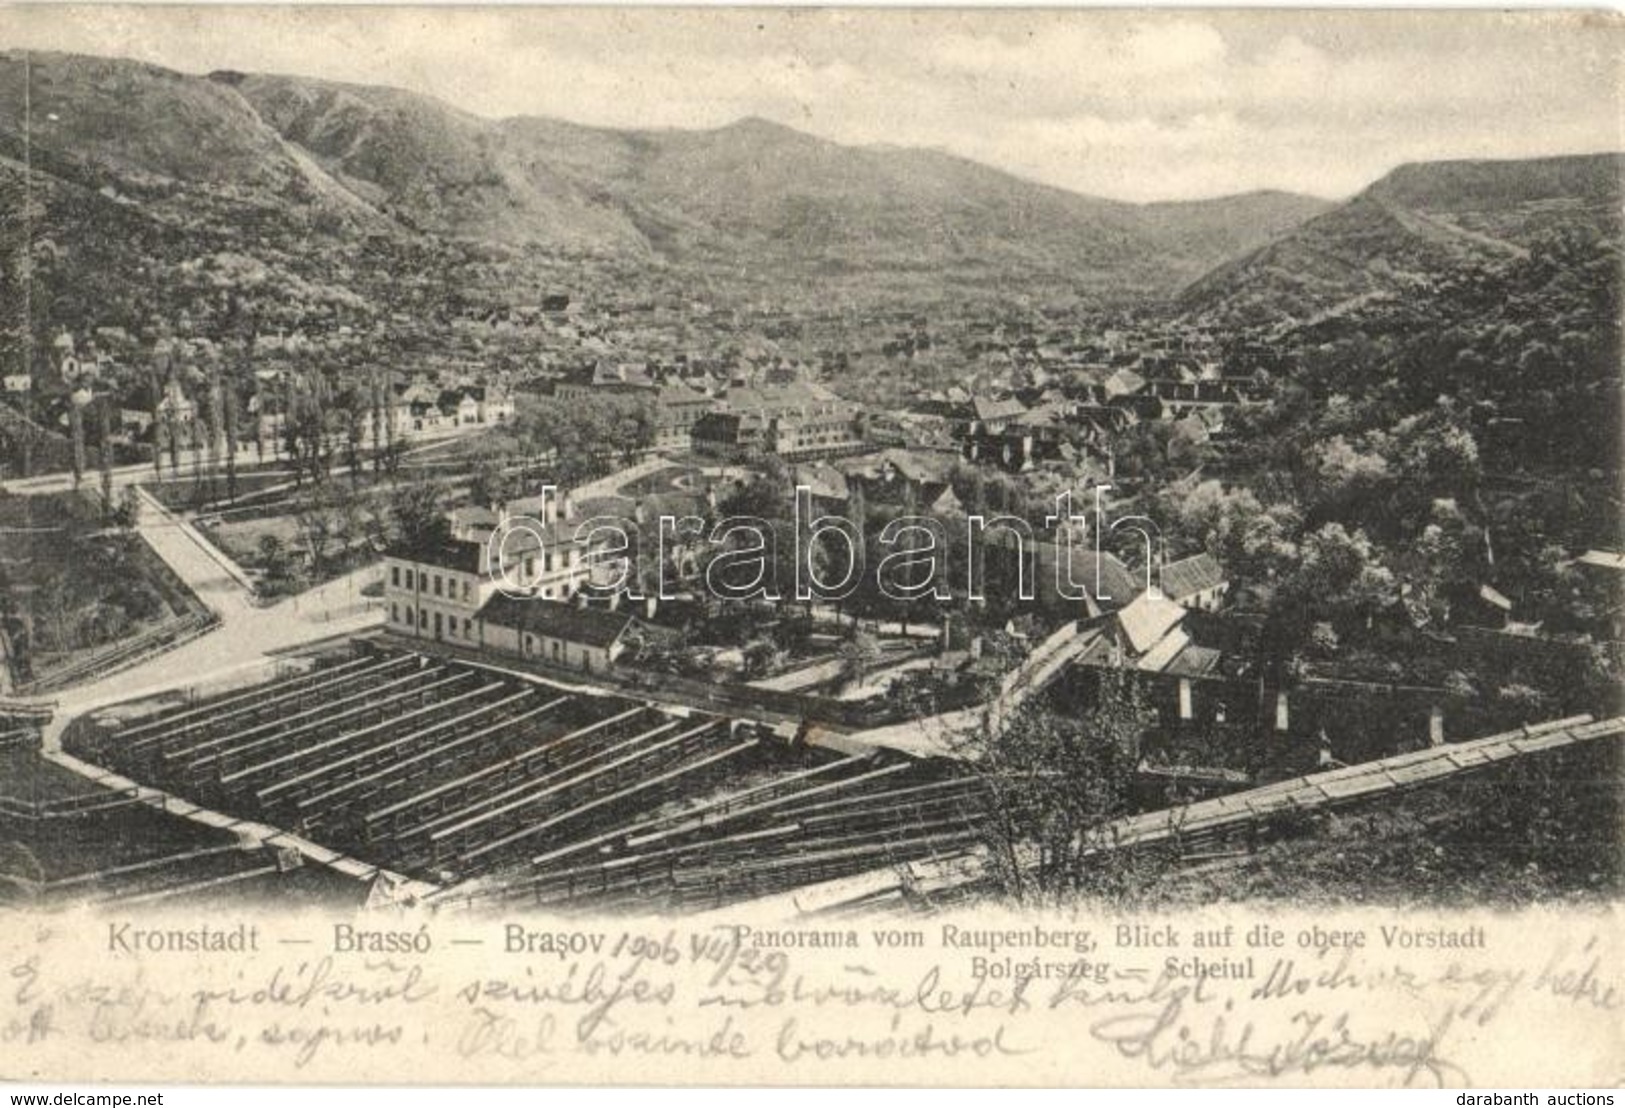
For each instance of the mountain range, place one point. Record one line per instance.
(763, 207)
(754, 200)
(1414, 227)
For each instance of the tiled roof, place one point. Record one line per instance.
(556, 620)
(1104, 576)
(1602, 559)
(680, 393)
(989, 409)
(1046, 415)
(473, 515)
(1164, 651)
(1194, 661)
(773, 399)
(1124, 382)
(921, 465)
(1147, 619)
(1096, 652)
(823, 481)
(1192, 575)
(455, 554)
(633, 375)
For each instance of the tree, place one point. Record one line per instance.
(54, 606)
(291, 437)
(416, 509)
(172, 429)
(216, 427)
(858, 655)
(155, 385)
(1053, 780)
(588, 438)
(1340, 575)
(489, 485)
(375, 416)
(229, 417)
(635, 426)
(76, 427)
(1349, 477)
(1323, 639)
(196, 433)
(353, 416)
(274, 561)
(1442, 454)
(323, 518)
(394, 450)
(104, 457)
(386, 396)
(761, 657)
(1251, 541)
(316, 425)
(129, 508)
(307, 424)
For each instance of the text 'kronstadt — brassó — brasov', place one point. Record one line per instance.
(749, 550)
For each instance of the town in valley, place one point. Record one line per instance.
(309, 390)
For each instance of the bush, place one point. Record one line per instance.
(1323, 640)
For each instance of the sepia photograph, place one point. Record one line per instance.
(811, 546)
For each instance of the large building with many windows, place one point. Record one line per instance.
(799, 421)
(435, 590)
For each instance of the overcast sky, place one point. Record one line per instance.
(1133, 105)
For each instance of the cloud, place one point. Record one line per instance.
(1138, 105)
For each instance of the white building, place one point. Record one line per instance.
(437, 591)
(587, 639)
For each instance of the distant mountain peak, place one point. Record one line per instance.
(759, 123)
(1473, 182)
(753, 200)
(1415, 225)
(761, 129)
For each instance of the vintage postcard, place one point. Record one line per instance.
(811, 547)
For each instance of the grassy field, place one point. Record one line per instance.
(26, 777)
(114, 837)
(241, 538)
(185, 493)
(138, 835)
(1549, 832)
(71, 586)
(663, 480)
(350, 520)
